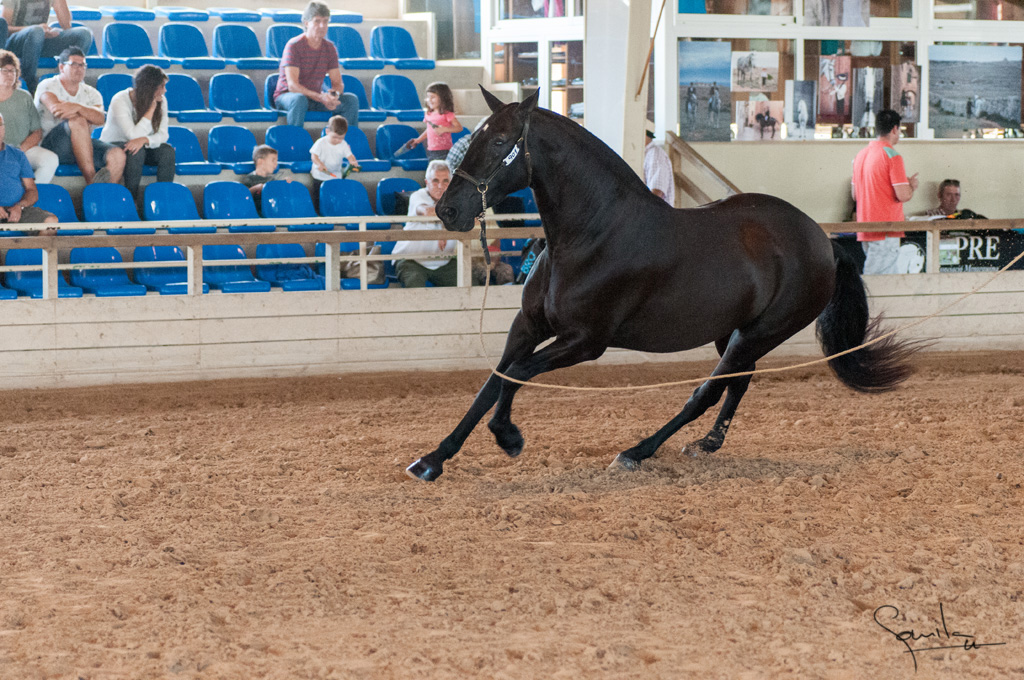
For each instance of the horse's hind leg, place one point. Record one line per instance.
(521, 341)
(714, 439)
(559, 354)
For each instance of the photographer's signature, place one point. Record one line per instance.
(934, 637)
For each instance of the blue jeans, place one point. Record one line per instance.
(30, 44)
(296, 105)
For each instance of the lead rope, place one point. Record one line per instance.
(674, 383)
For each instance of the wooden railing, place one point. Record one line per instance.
(468, 243)
(683, 156)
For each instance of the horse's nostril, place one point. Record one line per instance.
(448, 214)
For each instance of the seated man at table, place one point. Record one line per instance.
(949, 203)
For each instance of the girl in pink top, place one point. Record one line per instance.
(441, 122)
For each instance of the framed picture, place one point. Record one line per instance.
(867, 96)
(801, 108)
(755, 71)
(834, 90)
(705, 102)
(905, 93)
(837, 12)
(973, 87)
(759, 120)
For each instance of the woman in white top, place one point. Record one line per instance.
(137, 122)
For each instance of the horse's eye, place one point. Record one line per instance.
(499, 142)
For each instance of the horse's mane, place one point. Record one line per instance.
(587, 169)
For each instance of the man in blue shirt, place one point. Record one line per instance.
(18, 192)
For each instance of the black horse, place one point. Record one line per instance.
(622, 268)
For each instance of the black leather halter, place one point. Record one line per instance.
(482, 185)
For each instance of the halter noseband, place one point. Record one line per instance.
(482, 185)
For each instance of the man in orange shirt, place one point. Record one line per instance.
(880, 188)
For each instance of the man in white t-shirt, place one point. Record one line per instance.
(658, 175)
(441, 270)
(68, 110)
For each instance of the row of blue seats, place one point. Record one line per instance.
(230, 147)
(114, 282)
(222, 200)
(235, 95)
(177, 13)
(237, 44)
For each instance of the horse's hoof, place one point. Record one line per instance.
(623, 462)
(698, 448)
(423, 471)
(511, 442)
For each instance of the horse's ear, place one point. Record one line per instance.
(527, 106)
(491, 100)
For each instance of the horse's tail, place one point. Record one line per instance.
(845, 324)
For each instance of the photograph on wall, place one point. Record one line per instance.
(868, 93)
(905, 93)
(837, 12)
(973, 87)
(834, 90)
(800, 108)
(755, 71)
(705, 104)
(759, 120)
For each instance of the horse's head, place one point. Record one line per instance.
(496, 164)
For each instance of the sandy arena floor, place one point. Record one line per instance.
(265, 529)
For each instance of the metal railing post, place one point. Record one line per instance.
(194, 267)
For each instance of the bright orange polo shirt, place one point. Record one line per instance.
(877, 169)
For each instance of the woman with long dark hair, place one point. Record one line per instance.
(137, 122)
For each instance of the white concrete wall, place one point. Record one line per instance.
(90, 341)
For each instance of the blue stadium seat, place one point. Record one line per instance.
(284, 16)
(341, 16)
(292, 144)
(127, 13)
(290, 199)
(79, 13)
(386, 189)
(111, 203)
(231, 146)
(394, 45)
(110, 84)
(189, 14)
(188, 155)
(165, 280)
(31, 283)
(102, 282)
(185, 100)
(232, 201)
(351, 50)
(397, 95)
(238, 44)
(347, 197)
(128, 44)
(231, 279)
(234, 94)
(289, 277)
(360, 146)
(56, 199)
(170, 201)
(278, 36)
(185, 45)
(8, 294)
(366, 114)
(270, 85)
(236, 14)
(391, 138)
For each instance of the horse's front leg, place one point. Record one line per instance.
(559, 354)
(520, 343)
